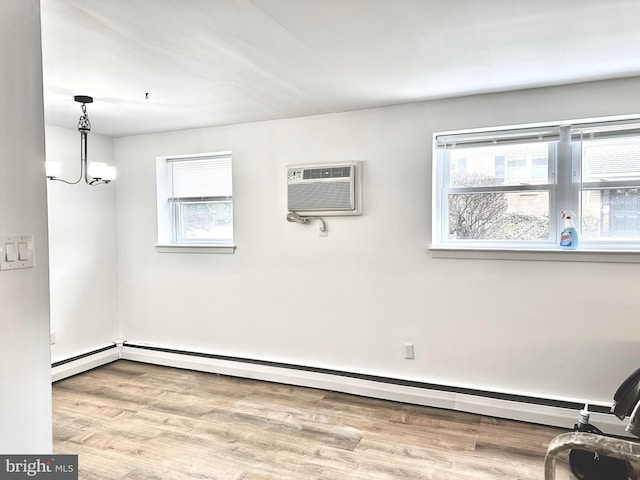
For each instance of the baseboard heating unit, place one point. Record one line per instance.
(85, 361)
(545, 411)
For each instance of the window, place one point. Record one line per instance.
(610, 179)
(195, 203)
(517, 181)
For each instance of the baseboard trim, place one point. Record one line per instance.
(561, 413)
(84, 362)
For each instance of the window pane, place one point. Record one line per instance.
(499, 216)
(539, 168)
(609, 214)
(206, 221)
(508, 164)
(516, 169)
(611, 159)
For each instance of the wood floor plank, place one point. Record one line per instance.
(134, 421)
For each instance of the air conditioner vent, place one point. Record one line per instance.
(324, 189)
(329, 196)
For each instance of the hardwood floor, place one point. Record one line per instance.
(134, 421)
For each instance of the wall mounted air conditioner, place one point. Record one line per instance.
(325, 189)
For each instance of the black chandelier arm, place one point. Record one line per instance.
(65, 181)
(98, 181)
(82, 173)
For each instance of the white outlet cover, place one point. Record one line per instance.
(409, 353)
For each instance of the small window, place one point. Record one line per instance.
(195, 202)
(516, 169)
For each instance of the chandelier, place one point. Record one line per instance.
(94, 173)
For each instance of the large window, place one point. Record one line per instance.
(195, 205)
(506, 188)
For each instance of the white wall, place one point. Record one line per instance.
(350, 300)
(82, 243)
(25, 379)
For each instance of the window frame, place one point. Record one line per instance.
(169, 218)
(564, 186)
(441, 195)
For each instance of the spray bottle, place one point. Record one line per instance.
(569, 234)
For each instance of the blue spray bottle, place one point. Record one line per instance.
(569, 234)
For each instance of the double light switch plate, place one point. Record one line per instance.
(16, 251)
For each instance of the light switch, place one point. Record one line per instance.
(16, 252)
(23, 251)
(10, 252)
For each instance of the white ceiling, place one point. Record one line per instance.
(217, 62)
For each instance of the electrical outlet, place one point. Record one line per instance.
(408, 351)
(52, 338)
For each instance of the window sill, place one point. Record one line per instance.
(554, 255)
(195, 248)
